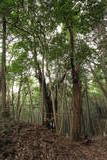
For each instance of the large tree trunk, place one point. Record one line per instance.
(77, 97)
(47, 101)
(77, 108)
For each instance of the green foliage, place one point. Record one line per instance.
(6, 6)
(36, 27)
(83, 52)
(58, 47)
(82, 15)
(20, 62)
(93, 13)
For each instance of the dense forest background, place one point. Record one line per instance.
(53, 68)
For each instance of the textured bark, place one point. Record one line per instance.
(77, 110)
(47, 99)
(77, 97)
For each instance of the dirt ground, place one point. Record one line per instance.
(31, 142)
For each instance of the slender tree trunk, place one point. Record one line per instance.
(43, 99)
(5, 109)
(31, 100)
(18, 100)
(89, 114)
(12, 102)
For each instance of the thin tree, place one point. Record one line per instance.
(5, 109)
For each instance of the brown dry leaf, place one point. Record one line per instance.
(30, 142)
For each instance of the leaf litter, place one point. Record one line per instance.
(23, 141)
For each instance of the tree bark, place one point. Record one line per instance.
(47, 99)
(18, 99)
(45, 91)
(77, 97)
(77, 110)
(5, 109)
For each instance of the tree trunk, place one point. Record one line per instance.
(18, 100)
(12, 101)
(47, 101)
(45, 91)
(5, 109)
(77, 97)
(31, 100)
(77, 110)
(91, 129)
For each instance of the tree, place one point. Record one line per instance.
(76, 20)
(51, 55)
(4, 9)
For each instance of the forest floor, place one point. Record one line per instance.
(30, 142)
